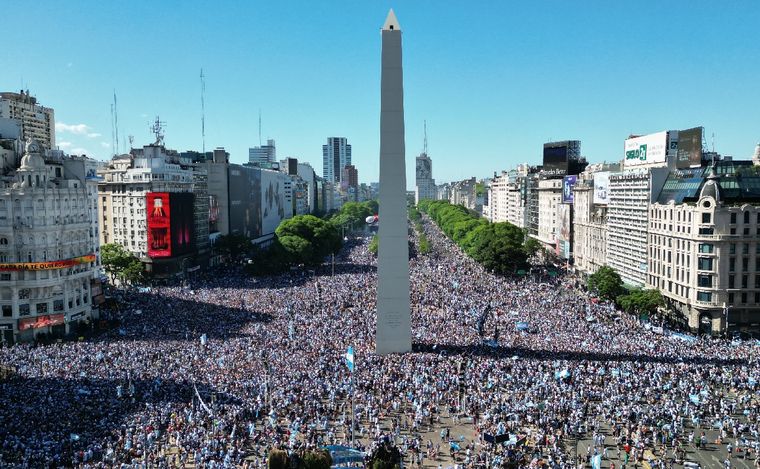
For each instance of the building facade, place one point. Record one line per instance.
(549, 198)
(46, 252)
(263, 155)
(336, 155)
(425, 188)
(590, 225)
(36, 122)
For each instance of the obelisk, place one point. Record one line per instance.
(394, 332)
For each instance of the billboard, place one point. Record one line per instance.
(40, 321)
(274, 207)
(182, 225)
(647, 149)
(50, 265)
(555, 158)
(159, 224)
(601, 188)
(245, 201)
(564, 229)
(568, 182)
(689, 148)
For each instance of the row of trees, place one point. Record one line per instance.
(416, 218)
(121, 264)
(501, 248)
(313, 459)
(608, 285)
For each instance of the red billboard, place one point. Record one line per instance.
(40, 321)
(159, 224)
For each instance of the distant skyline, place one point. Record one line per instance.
(494, 80)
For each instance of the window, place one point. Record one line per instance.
(5, 277)
(744, 297)
(4, 241)
(732, 231)
(42, 308)
(708, 248)
(704, 296)
(58, 305)
(733, 218)
(731, 281)
(705, 263)
(732, 248)
(745, 264)
(705, 280)
(732, 264)
(745, 248)
(706, 217)
(7, 311)
(746, 219)
(745, 281)
(731, 298)
(23, 310)
(707, 231)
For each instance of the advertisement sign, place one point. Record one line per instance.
(213, 209)
(648, 149)
(40, 321)
(182, 223)
(555, 159)
(51, 265)
(568, 182)
(689, 153)
(159, 224)
(245, 201)
(601, 187)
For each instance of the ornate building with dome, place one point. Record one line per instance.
(48, 251)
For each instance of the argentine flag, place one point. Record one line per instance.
(350, 359)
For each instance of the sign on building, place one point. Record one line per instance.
(646, 150)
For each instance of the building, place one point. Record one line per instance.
(309, 177)
(425, 188)
(36, 122)
(350, 178)
(147, 205)
(464, 193)
(46, 252)
(590, 223)
(704, 246)
(549, 198)
(263, 155)
(630, 193)
(259, 199)
(562, 159)
(336, 155)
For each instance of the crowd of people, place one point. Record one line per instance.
(218, 372)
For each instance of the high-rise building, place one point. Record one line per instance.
(46, 251)
(350, 177)
(336, 155)
(37, 122)
(424, 184)
(263, 155)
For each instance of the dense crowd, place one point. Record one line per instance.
(218, 372)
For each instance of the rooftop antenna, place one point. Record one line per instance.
(424, 124)
(113, 135)
(131, 140)
(203, 111)
(116, 121)
(259, 126)
(158, 130)
(713, 142)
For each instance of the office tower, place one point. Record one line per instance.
(336, 155)
(37, 122)
(263, 155)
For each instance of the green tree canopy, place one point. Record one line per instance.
(606, 283)
(121, 264)
(641, 301)
(323, 237)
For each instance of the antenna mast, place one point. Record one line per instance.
(203, 111)
(424, 123)
(259, 126)
(158, 130)
(113, 137)
(116, 121)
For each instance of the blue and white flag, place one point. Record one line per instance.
(204, 339)
(596, 461)
(350, 359)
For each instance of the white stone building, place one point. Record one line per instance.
(549, 197)
(47, 257)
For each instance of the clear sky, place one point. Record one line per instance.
(494, 80)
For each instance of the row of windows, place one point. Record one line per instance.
(743, 297)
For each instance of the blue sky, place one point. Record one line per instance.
(494, 80)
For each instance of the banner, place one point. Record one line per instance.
(52, 265)
(40, 321)
(350, 359)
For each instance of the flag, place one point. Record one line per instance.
(204, 339)
(350, 359)
(596, 461)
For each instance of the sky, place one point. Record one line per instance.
(493, 79)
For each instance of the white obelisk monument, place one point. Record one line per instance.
(394, 332)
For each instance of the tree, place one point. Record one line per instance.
(606, 283)
(316, 459)
(352, 214)
(373, 246)
(121, 264)
(234, 246)
(531, 245)
(298, 249)
(323, 236)
(641, 301)
(277, 459)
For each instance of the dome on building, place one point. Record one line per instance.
(711, 187)
(32, 159)
(756, 156)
